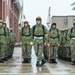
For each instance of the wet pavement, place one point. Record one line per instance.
(15, 66)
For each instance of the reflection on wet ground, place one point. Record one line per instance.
(15, 67)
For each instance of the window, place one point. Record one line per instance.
(73, 20)
(65, 21)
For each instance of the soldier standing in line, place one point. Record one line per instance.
(12, 41)
(7, 39)
(60, 48)
(67, 47)
(71, 38)
(54, 42)
(2, 41)
(38, 32)
(25, 40)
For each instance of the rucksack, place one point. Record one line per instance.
(34, 27)
(24, 34)
(57, 32)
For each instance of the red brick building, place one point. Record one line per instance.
(9, 13)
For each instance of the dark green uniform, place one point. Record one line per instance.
(26, 38)
(54, 41)
(2, 41)
(39, 31)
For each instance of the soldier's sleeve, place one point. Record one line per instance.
(45, 35)
(68, 35)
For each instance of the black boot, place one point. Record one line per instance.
(51, 61)
(28, 60)
(24, 60)
(73, 63)
(1, 61)
(5, 59)
(37, 64)
(43, 61)
(54, 61)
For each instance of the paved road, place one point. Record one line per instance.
(15, 67)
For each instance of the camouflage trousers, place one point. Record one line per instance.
(39, 51)
(45, 51)
(67, 52)
(26, 51)
(60, 52)
(11, 50)
(53, 52)
(73, 50)
(2, 51)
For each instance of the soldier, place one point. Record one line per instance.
(12, 41)
(54, 42)
(60, 48)
(71, 38)
(67, 47)
(2, 41)
(39, 31)
(25, 39)
(7, 39)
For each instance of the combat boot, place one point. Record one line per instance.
(51, 60)
(28, 60)
(54, 61)
(1, 61)
(43, 61)
(73, 63)
(24, 60)
(37, 64)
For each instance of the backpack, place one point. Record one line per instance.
(57, 32)
(34, 27)
(24, 34)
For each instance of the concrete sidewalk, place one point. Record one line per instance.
(15, 67)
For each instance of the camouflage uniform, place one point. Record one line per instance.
(68, 50)
(26, 38)
(60, 49)
(2, 42)
(12, 40)
(54, 41)
(38, 32)
(71, 37)
(7, 39)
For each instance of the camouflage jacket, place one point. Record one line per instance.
(54, 35)
(41, 31)
(2, 35)
(71, 34)
(12, 38)
(25, 35)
